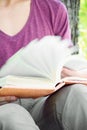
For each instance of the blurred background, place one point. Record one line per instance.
(82, 40)
(77, 10)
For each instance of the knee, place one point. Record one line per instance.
(70, 98)
(12, 112)
(74, 114)
(70, 106)
(76, 100)
(76, 93)
(6, 117)
(8, 114)
(13, 116)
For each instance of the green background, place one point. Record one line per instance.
(83, 28)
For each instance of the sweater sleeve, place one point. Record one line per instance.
(61, 24)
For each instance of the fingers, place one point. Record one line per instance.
(8, 99)
(64, 73)
(68, 72)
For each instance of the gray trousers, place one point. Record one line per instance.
(66, 109)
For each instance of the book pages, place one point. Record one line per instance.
(40, 58)
(76, 62)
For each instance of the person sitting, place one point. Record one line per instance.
(21, 21)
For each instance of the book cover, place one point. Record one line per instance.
(29, 87)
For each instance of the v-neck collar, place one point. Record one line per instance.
(20, 33)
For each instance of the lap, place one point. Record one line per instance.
(49, 112)
(52, 112)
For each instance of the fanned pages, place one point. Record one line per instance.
(35, 68)
(76, 62)
(40, 58)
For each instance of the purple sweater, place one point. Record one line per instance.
(47, 17)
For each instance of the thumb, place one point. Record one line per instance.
(10, 98)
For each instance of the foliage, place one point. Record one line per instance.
(83, 27)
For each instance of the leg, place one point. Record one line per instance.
(64, 110)
(15, 117)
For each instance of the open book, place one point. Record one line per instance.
(39, 64)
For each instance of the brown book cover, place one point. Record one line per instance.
(34, 91)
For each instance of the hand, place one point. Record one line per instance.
(66, 72)
(7, 99)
